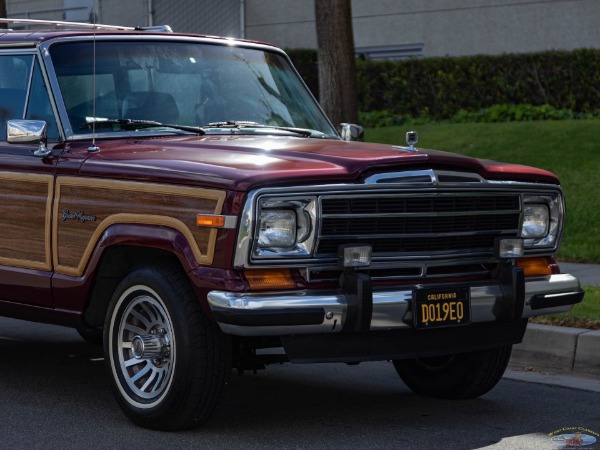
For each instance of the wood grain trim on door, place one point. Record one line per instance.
(85, 208)
(25, 220)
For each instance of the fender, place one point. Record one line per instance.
(85, 209)
(171, 240)
(72, 291)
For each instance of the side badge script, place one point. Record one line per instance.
(77, 215)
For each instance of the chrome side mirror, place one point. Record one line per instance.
(20, 131)
(352, 132)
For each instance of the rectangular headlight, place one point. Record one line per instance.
(543, 217)
(285, 227)
(277, 228)
(536, 220)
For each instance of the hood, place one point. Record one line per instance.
(244, 162)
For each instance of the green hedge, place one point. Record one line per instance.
(497, 113)
(438, 88)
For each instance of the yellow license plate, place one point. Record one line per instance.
(441, 307)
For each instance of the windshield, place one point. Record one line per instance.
(181, 83)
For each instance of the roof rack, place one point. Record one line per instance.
(96, 26)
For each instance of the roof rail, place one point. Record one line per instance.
(163, 28)
(96, 26)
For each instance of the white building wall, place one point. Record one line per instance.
(443, 27)
(218, 17)
(35, 9)
(285, 23)
(433, 27)
(130, 13)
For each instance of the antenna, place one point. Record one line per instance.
(94, 148)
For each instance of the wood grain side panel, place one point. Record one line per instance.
(85, 208)
(25, 220)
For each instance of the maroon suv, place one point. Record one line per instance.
(185, 201)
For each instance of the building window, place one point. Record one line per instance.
(390, 52)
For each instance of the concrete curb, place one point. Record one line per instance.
(562, 349)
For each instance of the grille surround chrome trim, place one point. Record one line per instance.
(243, 258)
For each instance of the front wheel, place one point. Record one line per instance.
(459, 376)
(168, 363)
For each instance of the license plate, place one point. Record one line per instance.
(442, 307)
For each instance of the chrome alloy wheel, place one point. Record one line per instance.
(143, 353)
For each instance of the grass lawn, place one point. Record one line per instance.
(569, 148)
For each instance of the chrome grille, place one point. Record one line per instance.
(413, 225)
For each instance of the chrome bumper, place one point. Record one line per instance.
(319, 312)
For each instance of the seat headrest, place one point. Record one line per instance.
(150, 105)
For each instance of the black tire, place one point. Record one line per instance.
(167, 362)
(459, 376)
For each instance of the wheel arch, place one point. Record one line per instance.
(123, 247)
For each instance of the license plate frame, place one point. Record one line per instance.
(441, 306)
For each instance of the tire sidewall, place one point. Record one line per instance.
(147, 282)
(459, 376)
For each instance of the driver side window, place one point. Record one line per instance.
(14, 78)
(38, 107)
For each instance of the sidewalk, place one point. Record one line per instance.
(562, 349)
(558, 349)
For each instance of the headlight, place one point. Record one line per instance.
(285, 227)
(277, 228)
(543, 217)
(536, 219)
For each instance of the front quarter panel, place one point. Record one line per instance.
(85, 208)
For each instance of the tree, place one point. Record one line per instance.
(3, 12)
(337, 67)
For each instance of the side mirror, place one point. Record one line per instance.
(20, 131)
(352, 132)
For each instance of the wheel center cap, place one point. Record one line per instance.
(137, 347)
(152, 346)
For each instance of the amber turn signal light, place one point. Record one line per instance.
(269, 279)
(210, 221)
(535, 266)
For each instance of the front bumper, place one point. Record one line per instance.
(324, 312)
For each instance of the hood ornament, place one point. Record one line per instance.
(412, 137)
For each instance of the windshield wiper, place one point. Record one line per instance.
(133, 124)
(245, 124)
